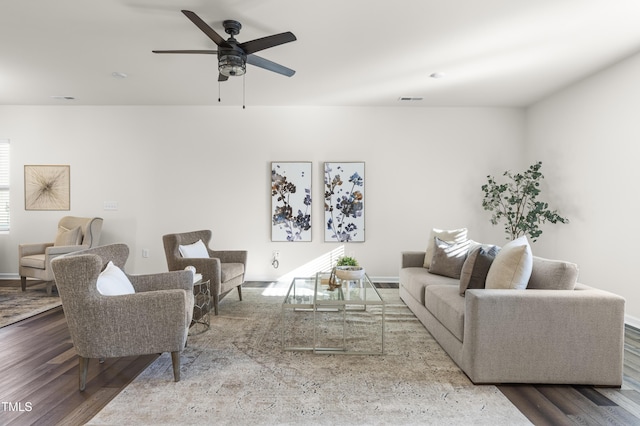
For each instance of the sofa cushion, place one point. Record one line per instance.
(34, 261)
(550, 274)
(476, 267)
(448, 258)
(415, 279)
(454, 236)
(229, 271)
(511, 269)
(444, 303)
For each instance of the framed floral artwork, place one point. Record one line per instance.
(291, 201)
(46, 188)
(344, 202)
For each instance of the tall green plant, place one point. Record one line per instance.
(516, 203)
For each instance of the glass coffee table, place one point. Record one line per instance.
(346, 318)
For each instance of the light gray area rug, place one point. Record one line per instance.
(16, 305)
(237, 373)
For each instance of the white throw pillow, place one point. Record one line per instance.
(451, 236)
(113, 282)
(511, 269)
(195, 250)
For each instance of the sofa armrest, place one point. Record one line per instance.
(230, 256)
(32, 248)
(140, 323)
(53, 251)
(412, 259)
(577, 335)
(162, 281)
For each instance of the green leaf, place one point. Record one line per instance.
(516, 202)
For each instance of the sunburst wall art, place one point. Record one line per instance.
(47, 188)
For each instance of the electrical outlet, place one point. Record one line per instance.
(110, 205)
(145, 252)
(276, 255)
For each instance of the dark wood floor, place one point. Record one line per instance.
(39, 382)
(39, 374)
(585, 405)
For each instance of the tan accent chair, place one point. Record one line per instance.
(225, 269)
(35, 259)
(155, 319)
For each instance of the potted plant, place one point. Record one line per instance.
(347, 268)
(516, 203)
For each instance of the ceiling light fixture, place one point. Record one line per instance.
(117, 74)
(63, 98)
(410, 98)
(232, 65)
(437, 75)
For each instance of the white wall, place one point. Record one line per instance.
(589, 136)
(173, 169)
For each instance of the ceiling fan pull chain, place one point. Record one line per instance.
(218, 91)
(244, 80)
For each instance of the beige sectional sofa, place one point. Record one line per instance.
(545, 336)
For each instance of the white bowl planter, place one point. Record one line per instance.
(349, 273)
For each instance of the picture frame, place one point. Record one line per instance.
(344, 202)
(47, 187)
(291, 201)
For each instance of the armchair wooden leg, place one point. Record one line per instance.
(240, 292)
(175, 360)
(23, 283)
(216, 299)
(84, 367)
(50, 287)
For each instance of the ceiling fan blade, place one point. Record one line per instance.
(267, 42)
(210, 32)
(222, 77)
(269, 65)
(206, 52)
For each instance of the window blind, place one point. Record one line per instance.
(4, 185)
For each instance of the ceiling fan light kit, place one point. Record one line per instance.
(232, 65)
(233, 56)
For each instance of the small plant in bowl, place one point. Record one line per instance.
(347, 268)
(347, 261)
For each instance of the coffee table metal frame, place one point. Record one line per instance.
(310, 294)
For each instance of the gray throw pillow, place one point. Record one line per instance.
(548, 274)
(448, 258)
(68, 237)
(475, 268)
(452, 236)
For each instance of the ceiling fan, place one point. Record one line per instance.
(233, 56)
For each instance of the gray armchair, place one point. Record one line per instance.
(74, 234)
(155, 319)
(225, 269)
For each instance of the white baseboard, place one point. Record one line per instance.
(632, 321)
(385, 279)
(373, 279)
(9, 276)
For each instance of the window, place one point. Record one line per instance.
(4, 185)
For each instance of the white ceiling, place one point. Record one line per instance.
(348, 52)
